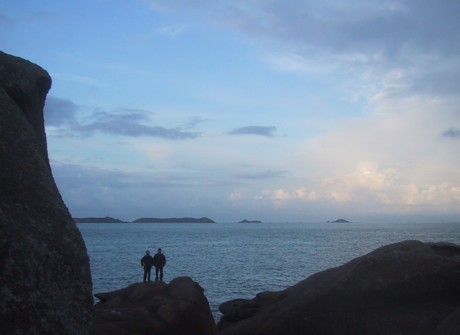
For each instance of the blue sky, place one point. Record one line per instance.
(271, 110)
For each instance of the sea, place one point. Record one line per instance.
(239, 260)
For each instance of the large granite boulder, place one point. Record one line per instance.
(45, 280)
(405, 288)
(177, 308)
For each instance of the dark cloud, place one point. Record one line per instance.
(436, 81)
(73, 176)
(59, 112)
(130, 123)
(193, 121)
(62, 114)
(255, 130)
(90, 191)
(452, 133)
(262, 175)
(388, 28)
(419, 36)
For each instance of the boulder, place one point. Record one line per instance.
(404, 288)
(45, 283)
(177, 308)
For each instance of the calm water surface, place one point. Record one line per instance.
(232, 260)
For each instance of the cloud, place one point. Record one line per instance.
(255, 130)
(59, 112)
(91, 191)
(386, 28)
(452, 133)
(419, 38)
(171, 31)
(130, 123)
(63, 115)
(81, 79)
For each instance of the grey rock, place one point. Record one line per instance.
(45, 283)
(177, 308)
(404, 288)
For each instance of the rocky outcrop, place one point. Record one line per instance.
(45, 281)
(177, 308)
(405, 288)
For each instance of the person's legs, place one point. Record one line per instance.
(145, 274)
(148, 273)
(161, 273)
(156, 273)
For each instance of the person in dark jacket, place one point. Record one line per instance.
(147, 262)
(159, 261)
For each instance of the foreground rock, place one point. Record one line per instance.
(177, 308)
(404, 288)
(45, 281)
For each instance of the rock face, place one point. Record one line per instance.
(404, 288)
(45, 281)
(177, 308)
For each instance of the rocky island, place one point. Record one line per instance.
(250, 221)
(174, 220)
(107, 219)
(339, 221)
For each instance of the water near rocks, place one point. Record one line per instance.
(238, 260)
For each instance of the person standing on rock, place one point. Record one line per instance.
(147, 263)
(159, 261)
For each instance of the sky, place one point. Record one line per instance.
(280, 111)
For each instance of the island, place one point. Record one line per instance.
(107, 219)
(250, 221)
(174, 220)
(339, 221)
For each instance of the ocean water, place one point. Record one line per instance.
(233, 260)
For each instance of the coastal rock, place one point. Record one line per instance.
(177, 308)
(45, 281)
(404, 288)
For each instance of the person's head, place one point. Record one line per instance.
(147, 252)
(159, 250)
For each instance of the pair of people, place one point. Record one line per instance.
(158, 261)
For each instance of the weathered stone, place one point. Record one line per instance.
(45, 283)
(405, 288)
(177, 308)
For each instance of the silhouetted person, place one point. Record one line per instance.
(159, 261)
(147, 262)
